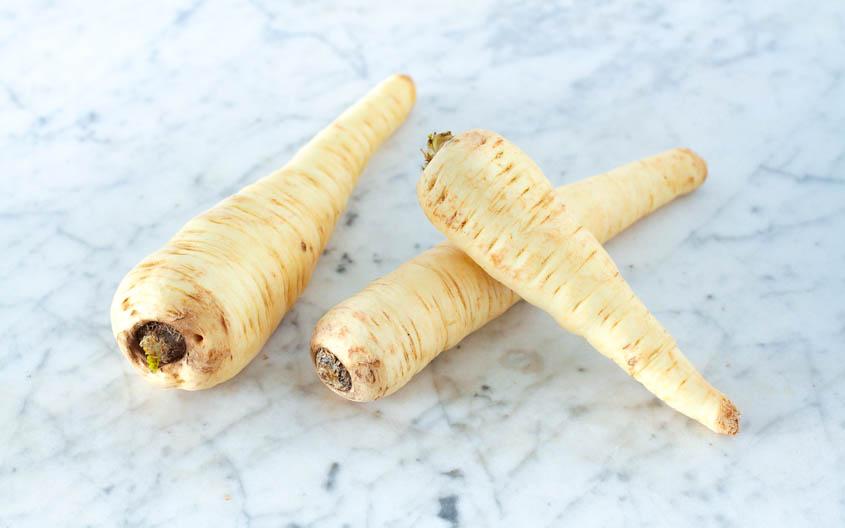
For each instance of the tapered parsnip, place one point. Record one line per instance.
(373, 343)
(195, 312)
(493, 202)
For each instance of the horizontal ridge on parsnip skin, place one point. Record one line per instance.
(195, 312)
(493, 202)
(373, 343)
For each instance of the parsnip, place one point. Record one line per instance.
(493, 202)
(373, 343)
(195, 312)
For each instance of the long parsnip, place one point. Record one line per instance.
(195, 312)
(493, 202)
(373, 343)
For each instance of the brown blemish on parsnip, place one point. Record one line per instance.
(210, 361)
(266, 292)
(167, 343)
(497, 257)
(367, 370)
(149, 264)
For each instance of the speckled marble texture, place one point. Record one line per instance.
(119, 122)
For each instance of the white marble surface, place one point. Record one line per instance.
(118, 123)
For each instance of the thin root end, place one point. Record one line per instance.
(728, 418)
(700, 164)
(435, 141)
(331, 371)
(159, 344)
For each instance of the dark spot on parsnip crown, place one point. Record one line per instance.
(169, 342)
(331, 371)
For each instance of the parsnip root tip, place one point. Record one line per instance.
(435, 141)
(699, 162)
(158, 344)
(406, 77)
(331, 371)
(728, 418)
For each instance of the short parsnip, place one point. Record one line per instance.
(493, 202)
(373, 343)
(195, 312)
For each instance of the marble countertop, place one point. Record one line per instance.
(118, 123)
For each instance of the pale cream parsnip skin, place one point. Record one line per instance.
(493, 202)
(222, 284)
(388, 332)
